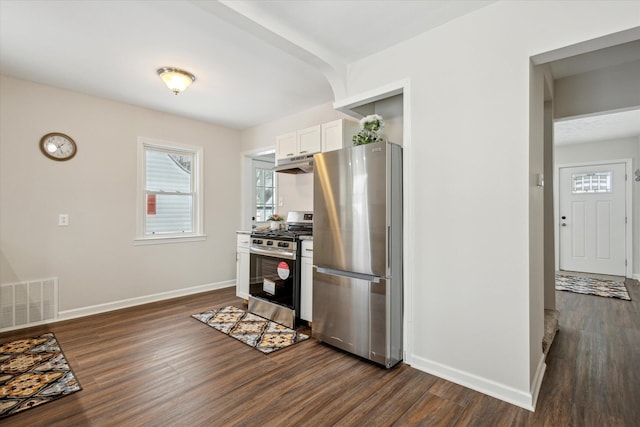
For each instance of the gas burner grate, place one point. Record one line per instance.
(289, 234)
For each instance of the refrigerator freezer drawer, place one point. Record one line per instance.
(359, 316)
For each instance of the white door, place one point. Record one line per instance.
(592, 219)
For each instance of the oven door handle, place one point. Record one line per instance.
(273, 254)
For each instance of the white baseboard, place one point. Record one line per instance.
(503, 392)
(636, 277)
(536, 384)
(131, 302)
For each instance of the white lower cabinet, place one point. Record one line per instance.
(242, 266)
(306, 281)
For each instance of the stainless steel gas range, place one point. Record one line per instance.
(274, 277)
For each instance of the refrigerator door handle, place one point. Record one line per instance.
(388, 248)
(360, 276)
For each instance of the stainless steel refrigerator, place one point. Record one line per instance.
(357, 251)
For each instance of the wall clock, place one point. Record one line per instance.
(58, 146)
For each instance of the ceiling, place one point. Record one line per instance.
(602, 127)
(598, 127)
(254, 61)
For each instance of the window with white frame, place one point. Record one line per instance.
(594, 182)
(169, 191)
(265, 190)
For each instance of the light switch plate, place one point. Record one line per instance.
(63, 220)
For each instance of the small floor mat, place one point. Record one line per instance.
(255, 331)
(593, 286)
(33, 371)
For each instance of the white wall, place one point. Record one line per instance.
(471, 180)
(94, 257)
(613, 88)
(627, 148)
(296, 191)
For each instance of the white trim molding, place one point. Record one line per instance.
(132, 302)
(161, 239)
(348, 105)
(523, 399)
(536, 384)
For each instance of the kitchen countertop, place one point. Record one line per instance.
(306, 237)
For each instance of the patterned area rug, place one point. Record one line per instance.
(593, 286)
(33, 371)
(255, 331)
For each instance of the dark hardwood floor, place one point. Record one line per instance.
(155, 365)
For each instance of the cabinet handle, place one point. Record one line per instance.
(302, 152)
(309, 250)
(289, 154)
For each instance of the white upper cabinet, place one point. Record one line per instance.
(338, 134)
(300, 143)
(325, 137)
(286, 145)
(309, 140)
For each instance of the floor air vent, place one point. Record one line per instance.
(28, 303)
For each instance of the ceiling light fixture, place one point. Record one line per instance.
(176, 79)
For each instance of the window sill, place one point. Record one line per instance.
(168, 239)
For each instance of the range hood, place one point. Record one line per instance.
(295, 165)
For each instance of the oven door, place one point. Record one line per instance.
(272, 277)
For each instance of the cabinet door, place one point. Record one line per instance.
(332, 135)
(242, 274)
(306, 289)
(243, 241)
(309, 140)
(286, 145)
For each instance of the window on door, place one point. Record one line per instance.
(265, 190)
(594, 182)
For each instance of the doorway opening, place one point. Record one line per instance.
(259, 187)
(572, 85)
(594, 114)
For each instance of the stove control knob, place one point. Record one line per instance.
(269, 242)
(283, 245)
